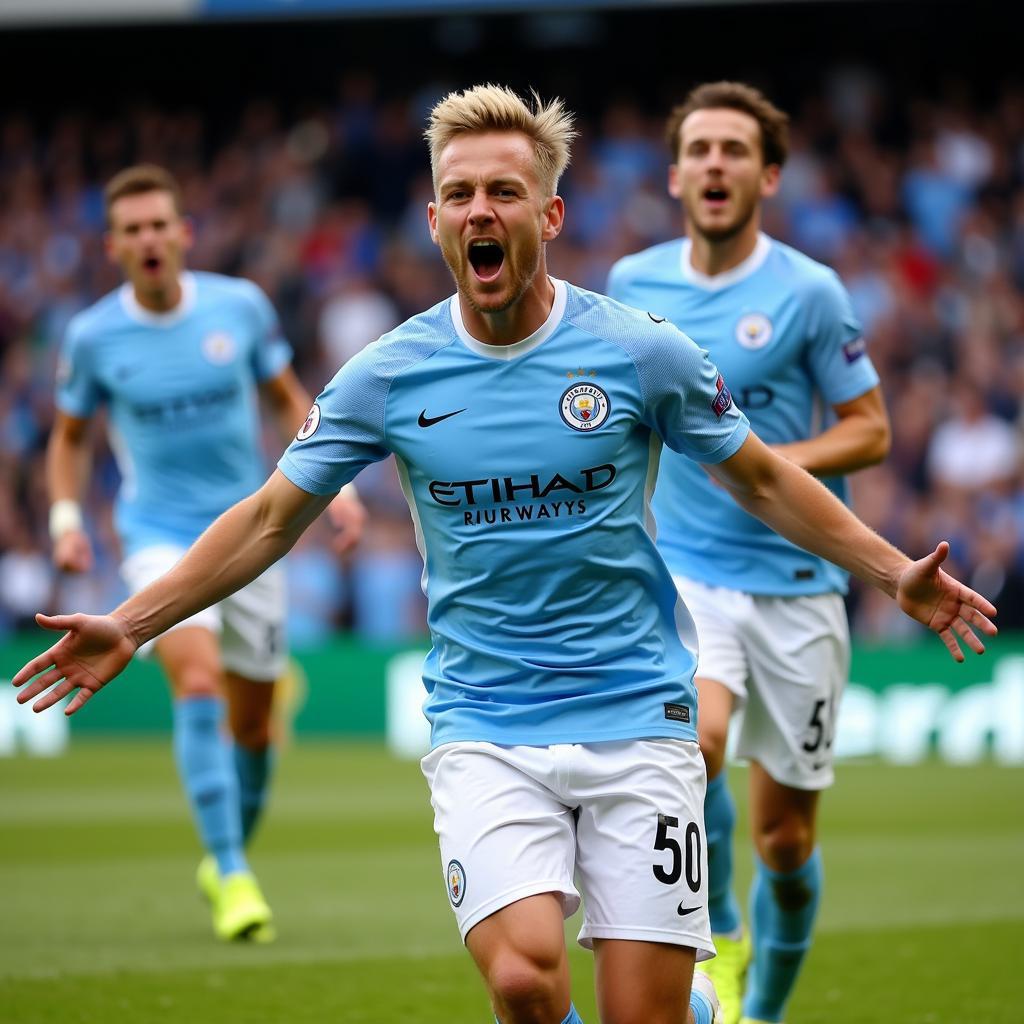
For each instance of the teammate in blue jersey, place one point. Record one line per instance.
(769, 615)
(527, 417)
(180, 360)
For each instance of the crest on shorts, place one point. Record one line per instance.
(308, 429)
(584, 407)
(456, 882)
(754, 330)
(219, 348)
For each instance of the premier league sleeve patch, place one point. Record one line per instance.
(456, 882)
(723, 398)
(308, 429)
(853, 350)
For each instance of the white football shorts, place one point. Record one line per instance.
(250, 623)
(623, 820)
(787, 660)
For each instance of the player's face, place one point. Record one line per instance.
(491, 217)
(720, 176)
(148, 240)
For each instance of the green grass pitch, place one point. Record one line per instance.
(923, 919)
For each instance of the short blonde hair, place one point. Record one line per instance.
(496, 108)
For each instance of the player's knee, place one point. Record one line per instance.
(192, 681)
(524, 987)
(785, 844)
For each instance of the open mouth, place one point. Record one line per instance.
(152, 264)
(486, 258)
(716, 195)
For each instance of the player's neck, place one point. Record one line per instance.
(711, 256)
(519, 321)
(160, 300)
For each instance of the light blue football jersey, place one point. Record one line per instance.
(528, 470)
(181, 392)
(781, 329)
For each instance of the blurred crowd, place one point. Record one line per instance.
(918, 204)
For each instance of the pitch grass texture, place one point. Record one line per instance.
(923, 917)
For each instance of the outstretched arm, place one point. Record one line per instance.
(240, 545)
(803, 511)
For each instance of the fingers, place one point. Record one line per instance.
(951, 645)
(38, 664)
(54, 696)
(964, 631)
(55, 621)
(36, 687)
(79, 699)
(974, 600)
(978, 621)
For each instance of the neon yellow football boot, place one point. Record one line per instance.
(728, 972)
(240, 911)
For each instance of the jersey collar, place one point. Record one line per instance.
(519, 348)
(716, 282)
(137, 311)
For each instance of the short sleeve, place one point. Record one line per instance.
(78, 390)
(837, 352)
(271, 352)
(344, 431)
(687, 400)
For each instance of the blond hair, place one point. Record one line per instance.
(496, 108)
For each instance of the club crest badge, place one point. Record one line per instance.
(584, 407)
(456, 882)
(754, 331)
(219, 348)
(308, 429)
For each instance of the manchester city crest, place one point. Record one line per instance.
(219, 347)
(754, 330)
(456, 882)
(584, 407)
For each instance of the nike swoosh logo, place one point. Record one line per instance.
(656, 319)
(683, 911)
(429, 421)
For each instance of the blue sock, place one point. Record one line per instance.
(253, 770)
(719, 821)
(702, 1011)
(204, 764)
(783, 906)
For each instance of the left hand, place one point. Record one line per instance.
(931, 596)
(348, 517)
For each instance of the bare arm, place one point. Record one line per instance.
(860, 437)
(241, 544)
(805, 512)
(68, 458)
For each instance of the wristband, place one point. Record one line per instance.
(65, 515)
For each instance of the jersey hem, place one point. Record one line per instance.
(532, 739)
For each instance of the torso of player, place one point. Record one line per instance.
(547, 453)
(528, 471)
(760, 329)
(183, 408)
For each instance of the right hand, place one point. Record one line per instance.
(93, 651)
(72, 552)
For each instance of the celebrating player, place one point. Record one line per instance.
(526, 415)
(180, 360)
(770, 618)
